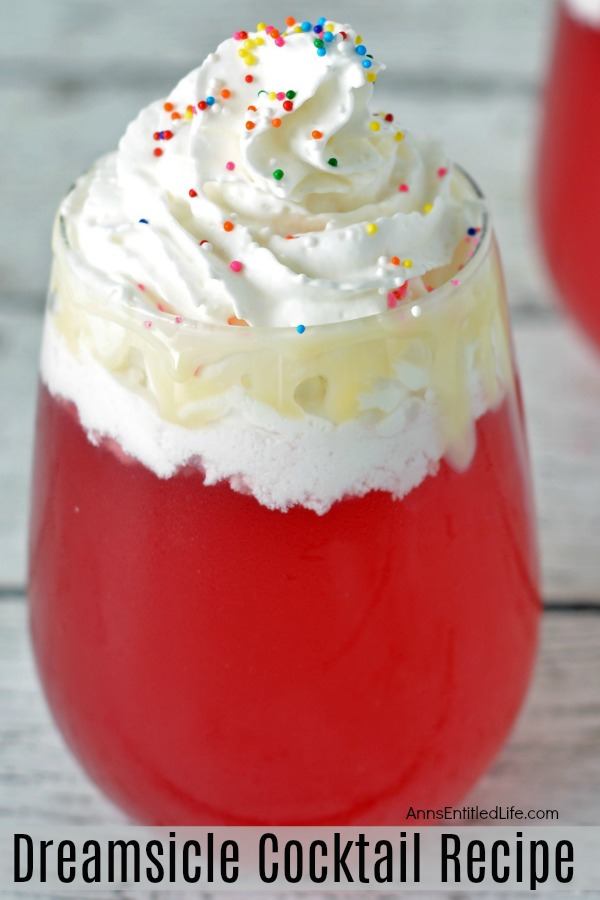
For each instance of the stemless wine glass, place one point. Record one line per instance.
(210, 659)
(568, 166)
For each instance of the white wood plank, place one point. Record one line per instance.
(503, 36)
(561, 378)
(561, 384)
(551, 761)
(19, 340)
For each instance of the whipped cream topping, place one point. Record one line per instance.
(263, 191)
(587, 10)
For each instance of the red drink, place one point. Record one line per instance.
(304, 669)
(568, 173)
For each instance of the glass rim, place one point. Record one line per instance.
(445, 291)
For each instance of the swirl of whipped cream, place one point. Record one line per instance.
(265, 190)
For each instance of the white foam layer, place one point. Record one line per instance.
(587, 10)
(282, 462)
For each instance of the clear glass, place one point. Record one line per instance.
(211, 660)
(568, 167)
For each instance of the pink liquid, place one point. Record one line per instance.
(212, 661)
(568, 175)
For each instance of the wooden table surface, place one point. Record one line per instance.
(72, 74)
